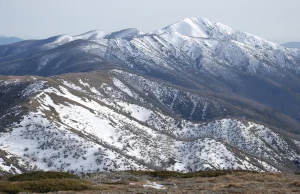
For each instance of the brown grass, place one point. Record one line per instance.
(296, 183)
(235, 185)
(199, 182)
(46, 185)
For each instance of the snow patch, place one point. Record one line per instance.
(154, 185)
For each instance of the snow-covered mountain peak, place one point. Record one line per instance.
(194, 27)
(226, 29)
(57, 41)
(91, 35)
(95, 35)
(203, 28)
(125, 34)
(200, 28)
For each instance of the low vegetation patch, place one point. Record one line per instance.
(38, 175)
(46, 185)
(173, 174)
(233, 185)
(41, 182)
(296, 183)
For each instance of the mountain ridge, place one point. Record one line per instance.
(9, 40)
(291, 45)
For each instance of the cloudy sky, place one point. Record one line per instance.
(276, 20)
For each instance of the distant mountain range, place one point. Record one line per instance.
(9, 40)
(291, 44)
(195, 95)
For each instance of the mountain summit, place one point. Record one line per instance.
(198, 27)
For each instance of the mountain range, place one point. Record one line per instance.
(195, 95)
(292, 44)
(9, 40)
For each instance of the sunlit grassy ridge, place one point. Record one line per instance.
(173, 174)
(42, 182)
(32, 176)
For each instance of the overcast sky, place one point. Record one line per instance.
(276, 20)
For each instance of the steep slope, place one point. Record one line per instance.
(95, 122)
